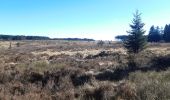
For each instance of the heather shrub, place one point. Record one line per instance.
(125, 91)
(101, 91)
(151, 85)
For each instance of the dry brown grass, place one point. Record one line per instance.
(62, 70)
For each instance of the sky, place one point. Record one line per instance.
(97, 19)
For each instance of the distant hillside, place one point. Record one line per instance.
(22, 37)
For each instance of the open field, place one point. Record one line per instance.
(73, 70)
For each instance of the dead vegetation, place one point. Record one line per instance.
(62, 70)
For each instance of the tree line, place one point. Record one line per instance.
(74, 39)
(156, 34)
(22, 37)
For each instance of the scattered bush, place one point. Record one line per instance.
(100, 43)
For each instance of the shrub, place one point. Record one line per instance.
(103, 91)
(125, 91)
(100, 43)
(151, 85)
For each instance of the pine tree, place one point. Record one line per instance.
(154, 34)
(136, 41)
(151, 31)
(166, 35)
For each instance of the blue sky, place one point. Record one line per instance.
(98, 19)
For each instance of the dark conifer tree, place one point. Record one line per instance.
(166, 35)
(154, 34)
(136, 41)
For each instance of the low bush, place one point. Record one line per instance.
(151, 85)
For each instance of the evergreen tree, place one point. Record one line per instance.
(121, 37)
(151, 31)
(154, 34)
(136, 41)
(166, 35)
